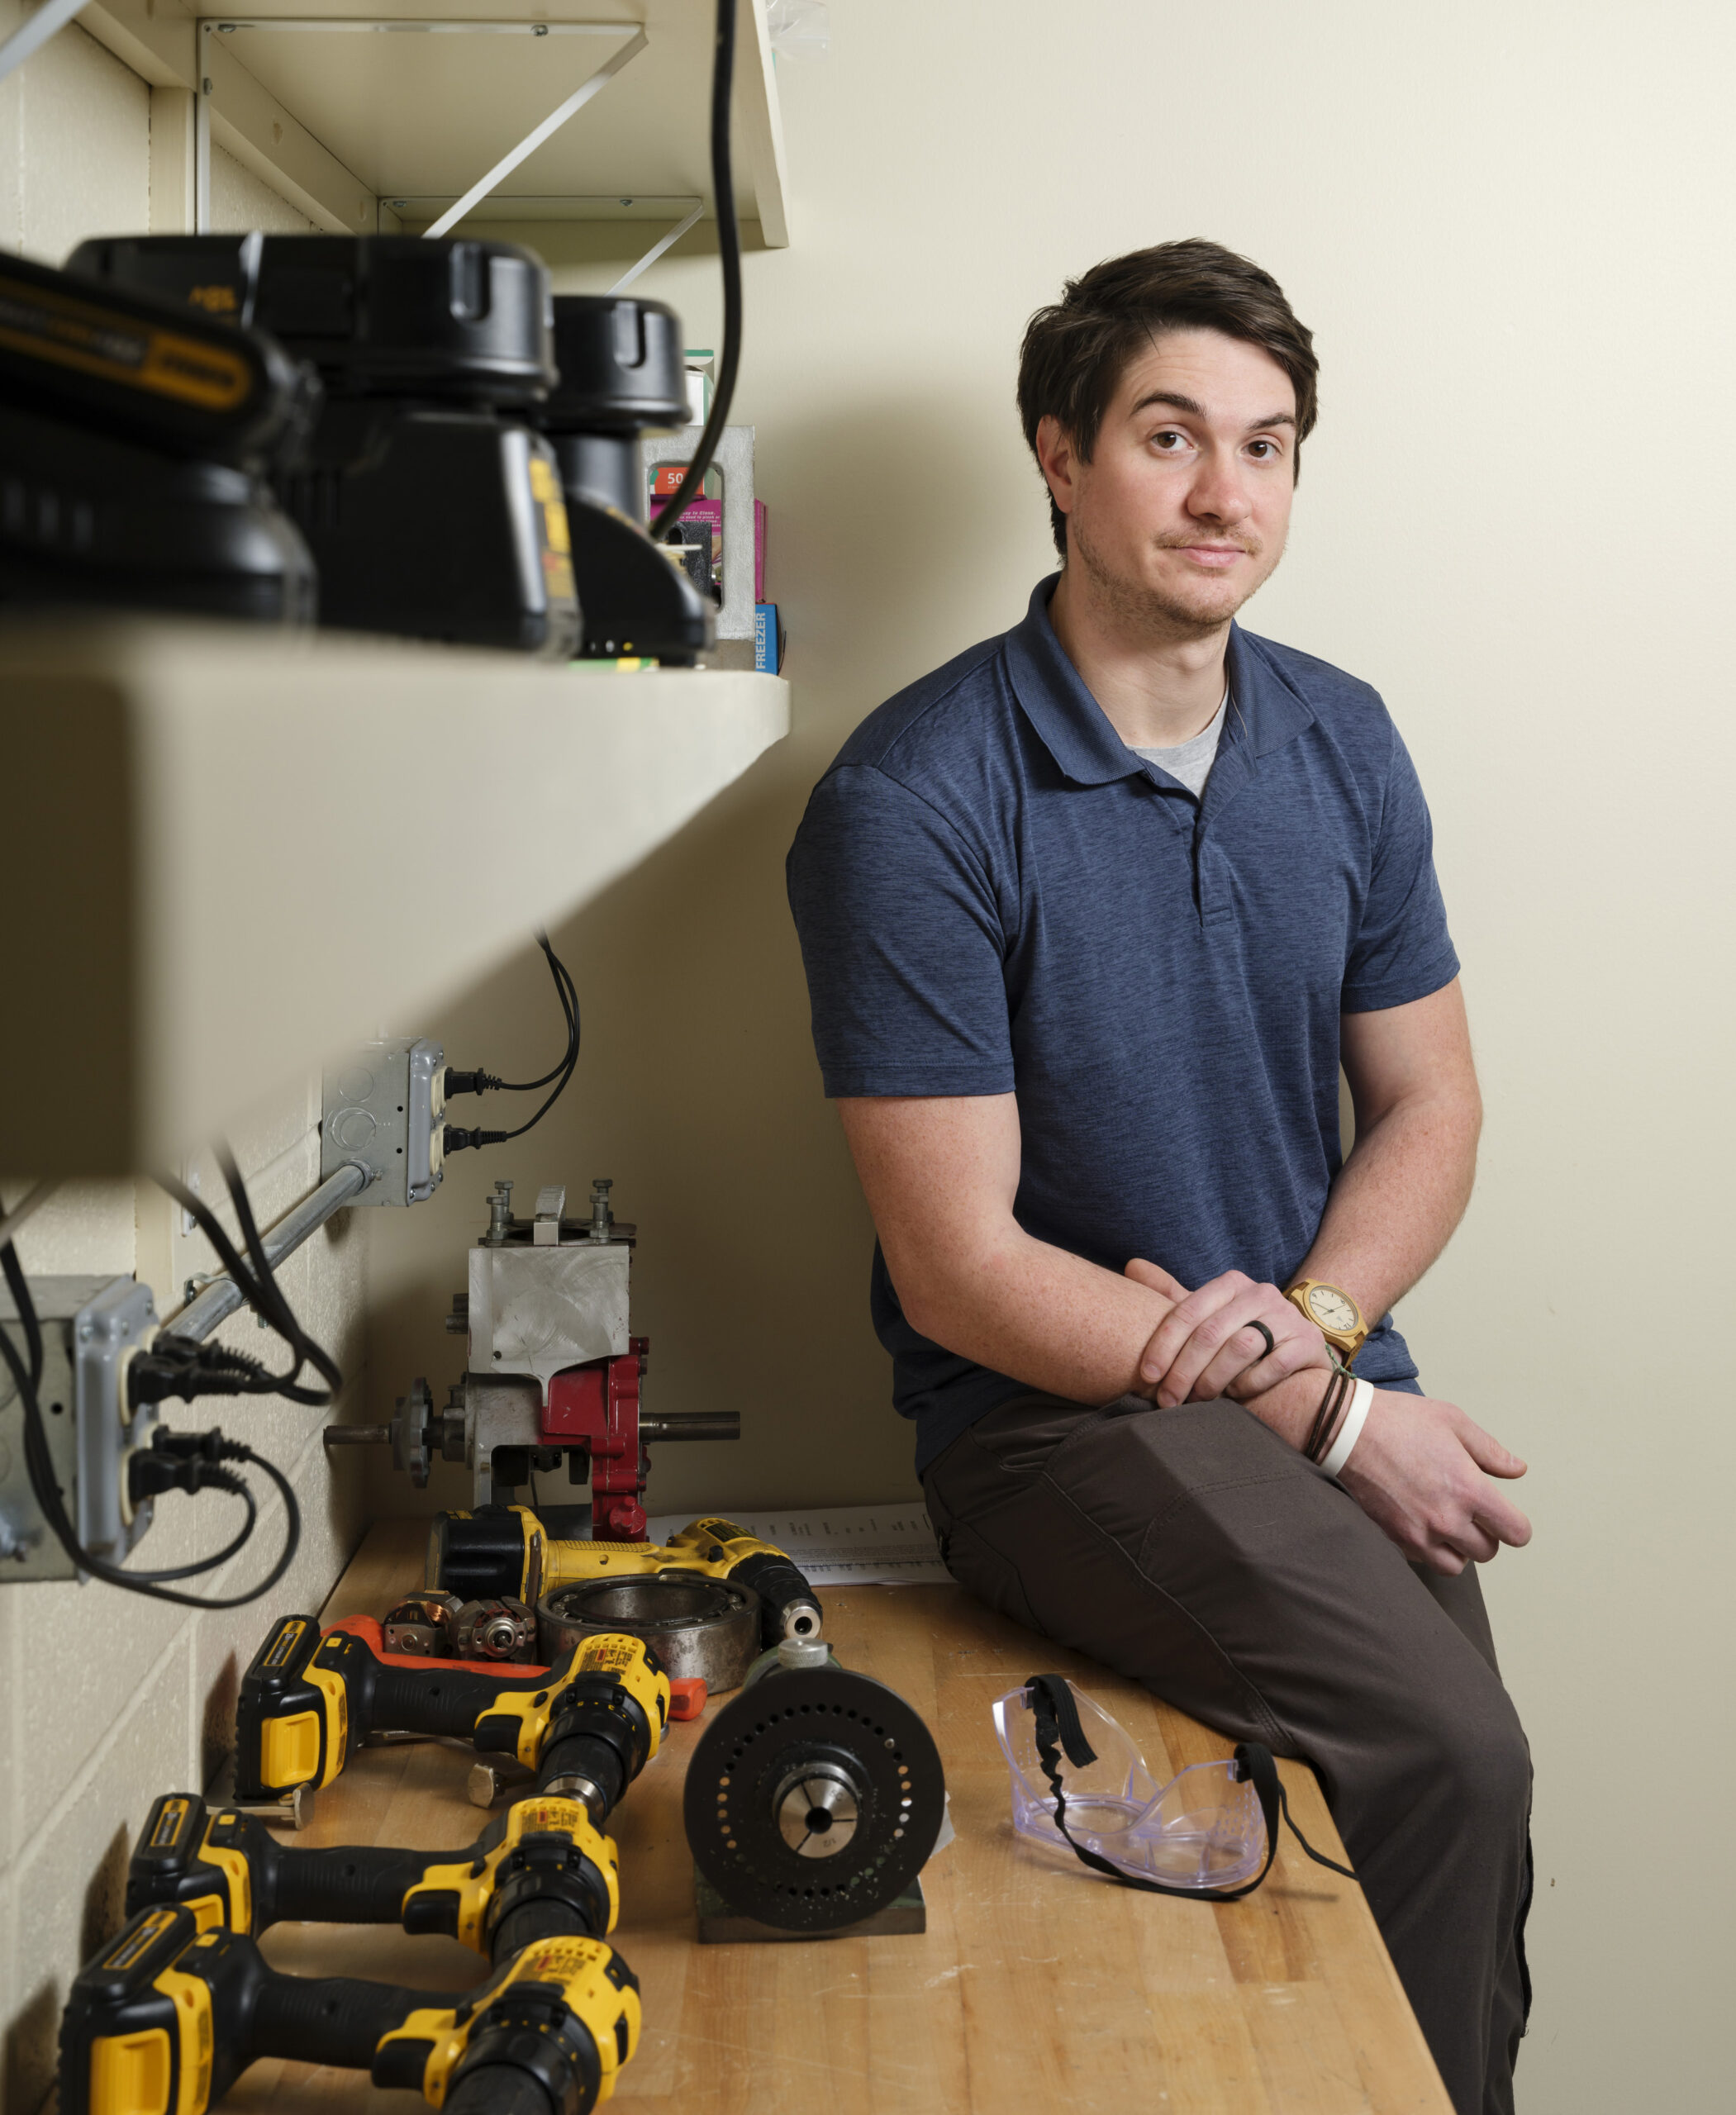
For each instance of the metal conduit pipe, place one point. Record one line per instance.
(222, 1296)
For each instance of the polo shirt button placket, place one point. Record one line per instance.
(1211, 884)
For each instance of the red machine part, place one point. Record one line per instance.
(596, 1407)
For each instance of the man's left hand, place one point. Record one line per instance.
(1204, 1348)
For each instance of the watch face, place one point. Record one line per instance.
(1334, 1310)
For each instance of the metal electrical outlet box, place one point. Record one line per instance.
(537, 1309)
(89, 1327)
(385, 1105)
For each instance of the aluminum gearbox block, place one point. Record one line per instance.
(533, 1310)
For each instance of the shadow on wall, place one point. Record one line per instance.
(217, 1721)
(28, 2053)
(25, 2075)
(697, 1090)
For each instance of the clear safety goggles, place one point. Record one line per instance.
(1079, 1784)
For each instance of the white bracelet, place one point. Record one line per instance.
(1361, 1394)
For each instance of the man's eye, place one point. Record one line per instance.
(1169, 441)
(1263, 451)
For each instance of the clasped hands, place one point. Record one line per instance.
(1421, 1467)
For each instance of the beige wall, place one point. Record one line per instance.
(74, 145)
(107, 1701)
(1509, 226)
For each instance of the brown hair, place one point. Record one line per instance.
(1075, 350)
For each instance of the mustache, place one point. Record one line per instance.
(1251, 546)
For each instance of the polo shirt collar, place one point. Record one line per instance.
(1265, 711)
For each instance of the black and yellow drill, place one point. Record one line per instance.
(586, 1725)
(540, 1871)
(505, 1550)
(167, 2017)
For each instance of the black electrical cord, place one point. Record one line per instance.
(213, 1479)
(456, 1140)
(183, 1366)
(189, 1462)
(282, 1318)
(486, 1082)
(259, 1286)
(729, 252)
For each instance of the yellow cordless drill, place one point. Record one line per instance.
(167, 2018)
(504, 1550)
(586, 1725)
(540, 1871)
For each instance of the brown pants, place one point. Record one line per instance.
(1196, 1553)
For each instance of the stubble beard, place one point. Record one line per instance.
(1133, 602)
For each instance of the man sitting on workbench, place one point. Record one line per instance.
(1090, 917)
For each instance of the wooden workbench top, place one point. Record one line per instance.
(1038, 1986)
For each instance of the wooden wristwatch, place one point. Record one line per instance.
(1334, 1313)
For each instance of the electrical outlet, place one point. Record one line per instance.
(385, 1105)
(91, 1326)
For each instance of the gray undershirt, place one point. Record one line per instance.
(1191, 762)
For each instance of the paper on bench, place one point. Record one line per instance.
(843, 1545)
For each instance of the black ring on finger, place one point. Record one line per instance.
(1271, 1344)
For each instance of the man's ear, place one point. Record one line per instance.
(1058, 461)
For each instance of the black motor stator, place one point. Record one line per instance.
(432, 505)
(815, 1795)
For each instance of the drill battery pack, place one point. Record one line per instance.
(432, 505)
(133, 438)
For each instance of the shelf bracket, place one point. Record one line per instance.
(229, 26)
(35, 32)
(657, 248)
(533, 140)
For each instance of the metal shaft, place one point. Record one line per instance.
(692, 1425)
(222, 1296)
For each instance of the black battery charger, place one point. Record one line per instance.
(134, 443)
(432, 505)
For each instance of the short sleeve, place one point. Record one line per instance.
(902, 942)
(1402, 950)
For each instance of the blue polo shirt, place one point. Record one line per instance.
(995, 894)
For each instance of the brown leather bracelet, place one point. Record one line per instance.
(1326, 1419)
(1330, 1434)
(1320, 1417)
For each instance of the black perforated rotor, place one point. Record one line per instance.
(814, 1798)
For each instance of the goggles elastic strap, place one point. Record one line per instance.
(1055, 1721)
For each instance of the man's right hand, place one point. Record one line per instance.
(1420, 1470)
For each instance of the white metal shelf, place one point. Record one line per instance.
(355, 106)
(236, 852)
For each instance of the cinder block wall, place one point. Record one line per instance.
(106, 1699)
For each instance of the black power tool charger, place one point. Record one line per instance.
(432, 506)
(132, 440)
(621, 370)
